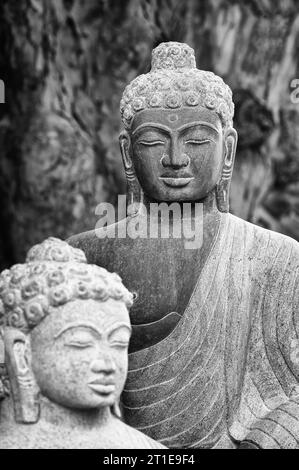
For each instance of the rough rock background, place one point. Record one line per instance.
(65, 64)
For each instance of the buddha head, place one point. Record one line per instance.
(65, 331)
(179, 142)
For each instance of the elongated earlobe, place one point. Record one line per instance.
(223, 186)
(134, 191)
(116, 410)
(23, 387)
(125, 144)
(4, 390)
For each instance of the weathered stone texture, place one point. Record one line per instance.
(65, 65)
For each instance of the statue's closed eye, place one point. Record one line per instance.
(197, 141)
(79, 339)
(151, 142)
(79, 344)
(119, 344)
(120, 338)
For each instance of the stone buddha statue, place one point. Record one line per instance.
(214, 359)
(65, 331)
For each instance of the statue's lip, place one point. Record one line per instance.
(176, 182)
(102, 387)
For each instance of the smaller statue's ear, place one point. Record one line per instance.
(23, 386)
(2, 350)
(116, 410)
(125, 144)
(223, 186)
(2, 366)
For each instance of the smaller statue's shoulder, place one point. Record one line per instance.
(14, 436)
(140, 440)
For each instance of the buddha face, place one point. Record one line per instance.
(79, 355)
(178, 155)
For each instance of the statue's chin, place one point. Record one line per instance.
(93, 401)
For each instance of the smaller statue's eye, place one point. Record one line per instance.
(79, 344)
(197, 141)
(151, 142)
(119, 344)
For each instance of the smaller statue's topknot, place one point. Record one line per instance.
(54, 274)
(173, 56)
(53, 249)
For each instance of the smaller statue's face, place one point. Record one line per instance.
(80, 353)
(177, 154)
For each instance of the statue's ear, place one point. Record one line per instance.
(222, 188)
(230, 143)
(134, 191)
(24, 389)
(125, 144)
(2, 366)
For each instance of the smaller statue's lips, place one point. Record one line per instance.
(102, 388)
(176, 182)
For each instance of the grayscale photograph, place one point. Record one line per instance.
(149, 255)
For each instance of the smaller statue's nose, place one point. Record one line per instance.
(104, 364)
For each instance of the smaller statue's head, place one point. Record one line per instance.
(179, 143)
(65, 332)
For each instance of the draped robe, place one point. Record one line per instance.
(229, 370)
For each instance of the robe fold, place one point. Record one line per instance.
(229, 370)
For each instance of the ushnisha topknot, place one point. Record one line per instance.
(175, 82)
(54, 273)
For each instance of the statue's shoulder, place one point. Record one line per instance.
(264, 241)
(80, 240)
(99, 236)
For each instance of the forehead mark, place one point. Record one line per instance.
(172, 117)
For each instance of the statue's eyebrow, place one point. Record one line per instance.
(198, 123)
(181, 128)
(154, 125)
(116, 326)
(90, 326)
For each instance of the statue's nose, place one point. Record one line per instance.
(174, 157)
(175, 160)
(104, 363)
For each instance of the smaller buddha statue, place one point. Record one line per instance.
(64, 335)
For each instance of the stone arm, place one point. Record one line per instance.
(279, 427)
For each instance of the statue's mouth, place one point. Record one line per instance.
(175, 182)
(102, 387)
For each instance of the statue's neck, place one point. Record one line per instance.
(69, 417)
(209, 205)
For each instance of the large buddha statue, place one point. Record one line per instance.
(64, 334)
(214, 355)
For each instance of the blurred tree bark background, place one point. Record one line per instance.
(65, 64)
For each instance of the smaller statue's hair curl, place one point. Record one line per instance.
(54, 273)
